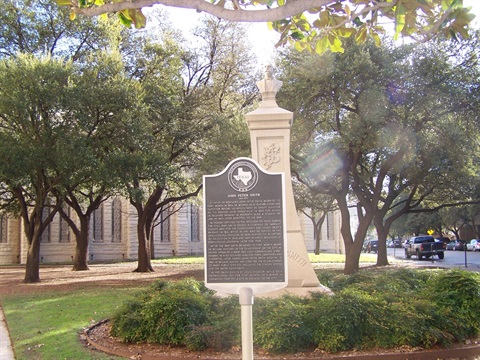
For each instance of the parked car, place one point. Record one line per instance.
(445, 240)
(450, 245)
(460, 245)
(394, 244)
(424, 245)
(370, 246)
(473, 245)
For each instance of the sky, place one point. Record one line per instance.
(263, 40)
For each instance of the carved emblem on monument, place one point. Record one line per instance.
(271, 156)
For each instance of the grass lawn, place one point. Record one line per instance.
(46, 325)
(340, 258)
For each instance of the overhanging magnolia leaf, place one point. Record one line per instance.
(375, 38)
(321, 45)
(347, 11)
(300, 46)
(346, 32)
(297, 35)
(303, 25)
(357, 21)
(399, 19)
(452, 34)
(462, 32)
(139, 20)
(425, 7)
(361, 35)
(462, 16)
(452, 4)
(126, 21)
(336, 44)
(63, 2)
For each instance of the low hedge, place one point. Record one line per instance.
(371, 309)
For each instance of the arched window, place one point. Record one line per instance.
(63, 228)
(45, 238)
(3, 229)
(194, 223)
(116, 220)
(330, 226)
(165, 226)
(98, 224)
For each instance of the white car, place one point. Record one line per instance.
(473, 245)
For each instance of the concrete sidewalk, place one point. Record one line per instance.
(6, 350)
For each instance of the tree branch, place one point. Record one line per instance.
(282, 12)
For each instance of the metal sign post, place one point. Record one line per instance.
(246, 302)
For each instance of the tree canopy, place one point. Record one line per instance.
(385, 128)
(309, 24)
(32, 92)
(40, 27)
(135, 115)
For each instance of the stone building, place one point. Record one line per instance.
(113, 235)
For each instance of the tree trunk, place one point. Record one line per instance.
(382, 233)
(382, 259)
(144, 262)
(80, 259)
(151, 242)
(32, 267)
(353, 246)
(352, 259)
(317, 231)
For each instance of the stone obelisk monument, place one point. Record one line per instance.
(270, 140)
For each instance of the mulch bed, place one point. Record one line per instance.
(98, 337)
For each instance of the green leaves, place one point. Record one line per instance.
(339, 20)
(132, 16)
(335, 20)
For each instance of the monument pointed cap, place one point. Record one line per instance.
(269, 87)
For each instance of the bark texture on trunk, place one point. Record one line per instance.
(144, 262)
(32, 267)
(80, 260)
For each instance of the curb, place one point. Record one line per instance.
(6, 349)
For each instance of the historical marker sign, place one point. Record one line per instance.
(245, 229)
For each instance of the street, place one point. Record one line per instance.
(453, 259)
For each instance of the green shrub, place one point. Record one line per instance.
(280, 325)
(168, 317)
(127, 322)
(457, 295)
(223, 330)
(167, 311)
(371, 309)
(349, 319)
